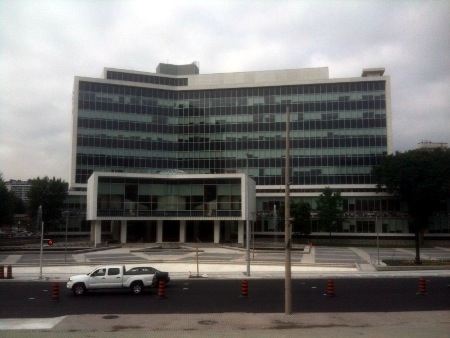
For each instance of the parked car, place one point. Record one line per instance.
(117, 277)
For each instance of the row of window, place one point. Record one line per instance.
(322, 88)
(167, 110)
(384, 207)
(203, 103)
(145, 127)
(112, 202)
(169, 213)
(230, 144)
(145, 183)
(228, 101)
(82, 175)
(226, 164)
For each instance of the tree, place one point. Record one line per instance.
(301, 214)
(7, 203)
(50, 194)
(421, 179)
(329, 208)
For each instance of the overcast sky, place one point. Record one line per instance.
(44, 44)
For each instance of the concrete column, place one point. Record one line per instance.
(196, 231)
(115, 230)
(216, 231)
(241, 226)
(97, 232)
(92, 235)
(123, 231)
(148, 231)
(159, 231)
(183, 231)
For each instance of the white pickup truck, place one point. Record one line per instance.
(117, 277)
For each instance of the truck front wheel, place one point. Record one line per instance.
(79, 289)
(137, 288)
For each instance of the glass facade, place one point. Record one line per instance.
(338, 130)
(158, 197)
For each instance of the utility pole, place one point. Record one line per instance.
(247, 230)
(42, 241)
(67, 225)
(287, 223)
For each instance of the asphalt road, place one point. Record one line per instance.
(35, 299)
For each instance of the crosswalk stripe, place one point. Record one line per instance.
(29, 323)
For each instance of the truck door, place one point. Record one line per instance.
(97, 278)
(113, 278)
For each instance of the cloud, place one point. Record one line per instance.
(44, 44)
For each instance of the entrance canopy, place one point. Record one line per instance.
(126, 196)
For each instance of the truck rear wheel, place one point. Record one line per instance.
(137, 288)
(79, 289)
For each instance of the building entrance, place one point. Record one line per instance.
(171, 231)
(141, 231)
(200, 231)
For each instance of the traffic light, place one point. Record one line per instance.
(50, 242)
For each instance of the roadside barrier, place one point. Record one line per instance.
(161, 290)
(422, 286)
(330, 288)
(55, 291)
(9, 272)
(2, 272)
(244, 288)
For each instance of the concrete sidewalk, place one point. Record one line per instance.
(169, 261)
(338, 325)
(179, 271)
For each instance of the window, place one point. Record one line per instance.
(113, 271)
(99, 272)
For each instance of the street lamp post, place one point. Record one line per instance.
(42, 241)
(378, 241)
(65, 245)
(253, 237)
(287, 223)
(247, 230)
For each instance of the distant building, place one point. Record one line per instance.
(428, 145)
(19, 188)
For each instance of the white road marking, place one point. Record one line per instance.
(29, 323)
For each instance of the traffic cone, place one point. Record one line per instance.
(330, 288)
(244, 288)
(55, 291)
(161, 290)
(422, 286)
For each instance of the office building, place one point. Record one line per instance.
(141, 123)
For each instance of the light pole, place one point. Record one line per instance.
(287, 223)
(378, 242)
(65, 245)
(42, 241)
(253, 233)
(247, 230)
